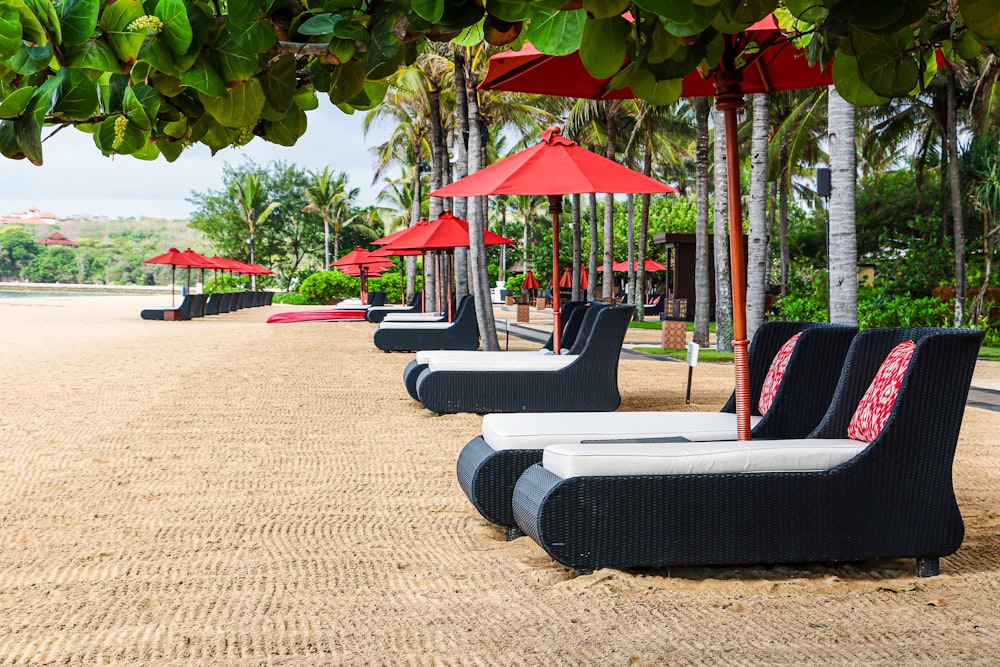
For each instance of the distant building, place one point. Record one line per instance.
(32, 216)
(58, 238)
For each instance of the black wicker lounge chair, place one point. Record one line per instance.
(181, 312)
(460, 334)
(892, 499)
(212, 303)
(377, 313)
(572, 315)
(490, 464)
(587, 381)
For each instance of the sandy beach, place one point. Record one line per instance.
(229, 492)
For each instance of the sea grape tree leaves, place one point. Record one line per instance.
(78, 20)
(885, 63)
(239, 107)
(556, 32)
(114, 23)
(982, 17)
(602, 45)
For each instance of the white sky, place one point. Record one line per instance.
(77, 179)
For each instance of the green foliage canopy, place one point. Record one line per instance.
(150, 77)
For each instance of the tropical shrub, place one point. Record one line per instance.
(292, 298)
(326, 286)
(513, 284)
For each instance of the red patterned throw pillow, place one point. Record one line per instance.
(876, 404)
(775, 373)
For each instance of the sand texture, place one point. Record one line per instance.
(229, 492)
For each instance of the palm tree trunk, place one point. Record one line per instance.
(702, 295)
(723, 284)
(843, 252)
(477, 249)
(577, 247)
(640, 279)
(956, 197)
(326, 243)
(438, 152)
(630, 251)
(757, 211)
(784, 184)
(592, 256)
(609, 213)
(462, 163)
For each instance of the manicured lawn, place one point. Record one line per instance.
(657, 324)
(989, 352)
(703, 354)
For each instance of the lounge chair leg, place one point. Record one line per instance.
(583, 572)
(928, 567)
(513, 532)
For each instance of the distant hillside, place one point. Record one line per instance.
(162, 233)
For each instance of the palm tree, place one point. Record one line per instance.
(723, 286)
(329, 195)
(702, 310)
(843, 248)
(248, 193)
(757, 272)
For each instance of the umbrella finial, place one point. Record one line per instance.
(554, 137)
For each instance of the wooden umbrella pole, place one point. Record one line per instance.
(451, 281)
(555, 208)
(729, 100)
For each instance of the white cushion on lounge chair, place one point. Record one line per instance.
(698, 458)
(413, 317)
(501, 361)
(395, 324)
(537, 430)
(426, 356)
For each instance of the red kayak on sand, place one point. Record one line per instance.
(318, 316)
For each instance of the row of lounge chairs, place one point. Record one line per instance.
(608, 491)
(854, 435)
(200, 305)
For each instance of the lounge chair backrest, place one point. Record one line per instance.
(809, 382)
(417, 301)
(586, 325)
(608, 332)
(376, 298)
(566, 317)
(767, 340)
(936, 383)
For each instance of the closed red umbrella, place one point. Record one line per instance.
(760, 59)
(530, 281)
(554, 167)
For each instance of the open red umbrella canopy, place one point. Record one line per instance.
(554, 167)
(174, 258)
(777, 65)
(760, 59)
(444, 233)
(359, 257)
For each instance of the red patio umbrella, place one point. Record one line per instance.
(760, 59)
(445, 233)
(363, 261)
(174, 258)
(554, 167)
